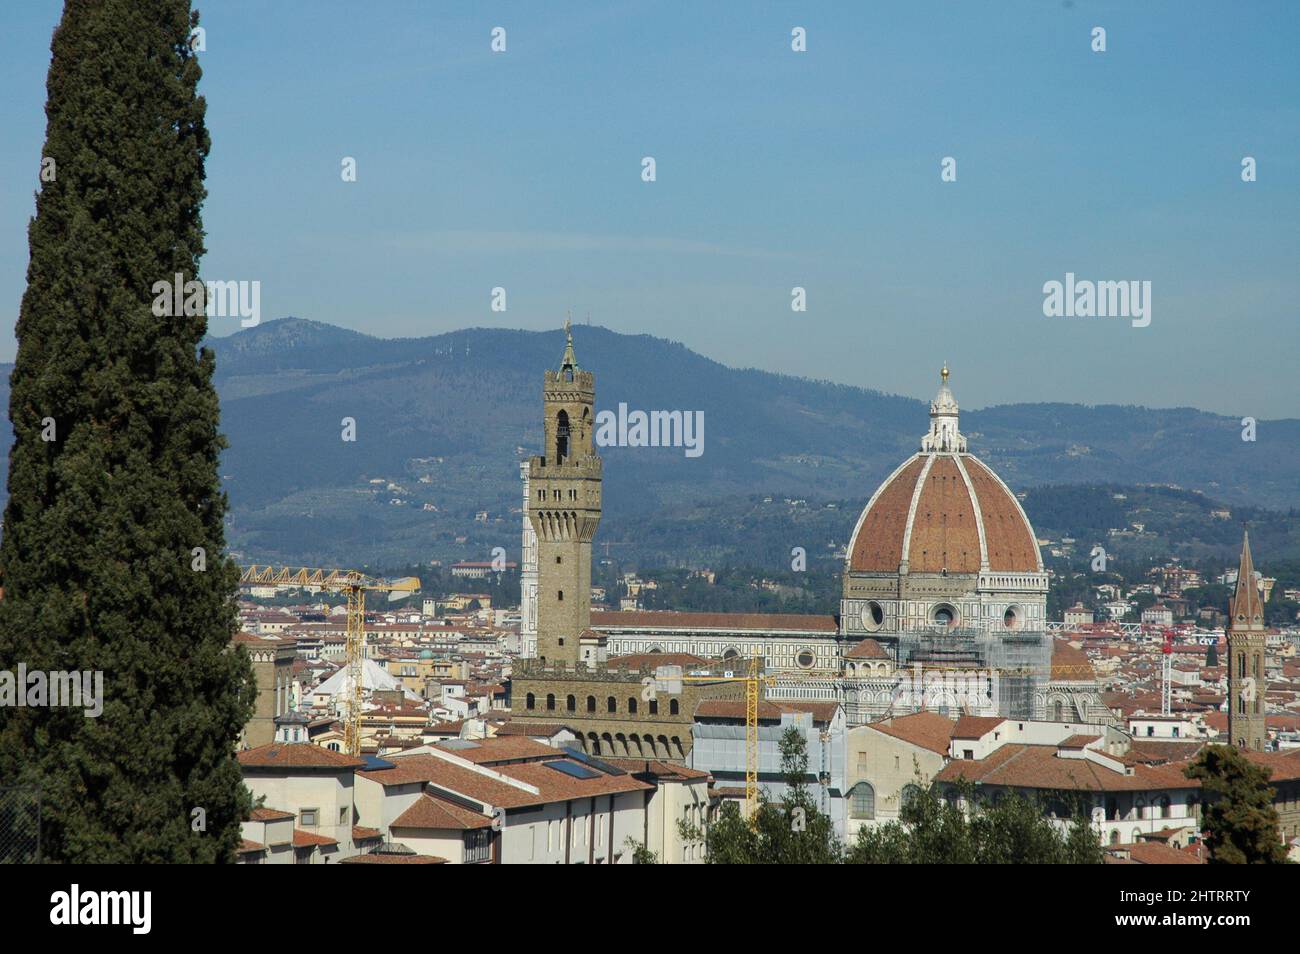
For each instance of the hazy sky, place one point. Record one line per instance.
(819, 169)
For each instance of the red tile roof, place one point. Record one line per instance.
(1039, 767)
(500, 749)
(976, 727)
(531, 728)
(658, 768)
(440, 814)
(928, 730)
(305, 839)
(1157, 853)
(269, 814)
(767, 709)
(386, 859)
(296, 755)
(867, 649)
(730, 622)
(1070, 664)
(653, 660)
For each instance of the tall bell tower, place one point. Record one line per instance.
(564, 508)
(1247, 683)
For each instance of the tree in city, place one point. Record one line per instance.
(113, 555)
(793, 830)
(956, 824)
(1240, 823)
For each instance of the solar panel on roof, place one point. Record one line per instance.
(573, 769)
(374, 763)
(581, 756)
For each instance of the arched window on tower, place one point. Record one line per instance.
(562, 437)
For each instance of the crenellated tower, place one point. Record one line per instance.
(1247, 636)
(564, 508)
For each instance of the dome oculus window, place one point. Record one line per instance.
(945, 615)
(873, 616)
(805, 659)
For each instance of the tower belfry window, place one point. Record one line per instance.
(562, 437)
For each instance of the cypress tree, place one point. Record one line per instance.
(113, 477)
(1241, 824)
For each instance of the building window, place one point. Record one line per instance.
(550, 701)
(309, 816)
(571, 704)
(673, 708)
(945, 615)
(873, 616)
(478, 846)
(862, 802)
(654, 706)
(561, 437)
(591, 703)
(560, 595)
(805, 659)
(631, 704)
(531, 701)
(611, 705)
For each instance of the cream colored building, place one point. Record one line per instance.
(885, 758)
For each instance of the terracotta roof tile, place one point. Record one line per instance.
(427, 811)
(386, 859)
(296, 755)
(269, 814)
(1039, 767)
(976, 727)
(767, 709)
(732, 622)
(867, 649)
(928, 730)
(306, 839)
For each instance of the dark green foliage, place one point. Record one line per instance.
(641, 855)
(1011, 830)
(101, 523)
(1212, 655)
(793, 831)
(1240, 825)
(935, 828)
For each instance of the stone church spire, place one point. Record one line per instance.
(1247, 636)
(1247, 607)
(944, 436)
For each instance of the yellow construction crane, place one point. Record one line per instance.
(354, 584)
(753, 680)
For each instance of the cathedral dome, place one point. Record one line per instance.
(943, 511)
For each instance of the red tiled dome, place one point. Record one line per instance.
(962, 519)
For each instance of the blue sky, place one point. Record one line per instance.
(775, 169)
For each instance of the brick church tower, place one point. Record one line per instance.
(1246, 638)
(564, 509)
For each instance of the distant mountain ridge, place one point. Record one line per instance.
(442, 421)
